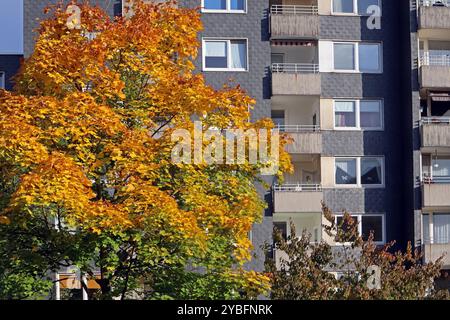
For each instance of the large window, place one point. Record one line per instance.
(368, 223)
(225, 55)
(359, 171)
(357, 57)
(2, 80)
(346, 171)
(436, 228)
(358, 114)
(354, 7)
(224, 5)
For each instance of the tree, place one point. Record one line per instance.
(320, 271)
(87, 176)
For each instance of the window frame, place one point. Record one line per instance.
(358, 172)
(357, 68)
(2, 80)
(227, 10)
(359, 217)
(358, 126)
(355, 9)
(228, 40)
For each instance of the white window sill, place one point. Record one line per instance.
(223, 11)
(223, 70)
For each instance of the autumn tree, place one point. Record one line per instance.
(352, 268)
(87, 177)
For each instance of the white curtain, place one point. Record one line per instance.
(345, 113)
(441, 167)
(238, 55)
(344, 6)
(441, 228)
(216, 49)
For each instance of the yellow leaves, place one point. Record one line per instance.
(90, 129)
(56, 180)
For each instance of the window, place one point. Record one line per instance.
(344, 56)
(358, 115)
(2, 80)
(368, 223)
(224, 5)
(345, 171)
(357, 57)
(345, 114)
(371, 171)
(369, 57)
(371, 115)
(441, 167)
(359, 171)
(436, 228)
(354, 7)
(225, 55)
(343, 6)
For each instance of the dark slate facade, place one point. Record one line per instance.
(388, 143)
(9, 64)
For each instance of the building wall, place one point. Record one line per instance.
(387, 143)
(34, 12)
(253, 26)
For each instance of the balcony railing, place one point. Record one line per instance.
(293, 9)
(436, 120)
(427, 179)
(297, 187)
(298, 128)
(427, 59)
(434, 3)
(295, 68)
(437, 240)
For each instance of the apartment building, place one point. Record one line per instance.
(363, 88)
(429, 94)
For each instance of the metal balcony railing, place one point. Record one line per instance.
(299, 187)
(294, 9)
(434, 3)
(435, 59)
(427, 179)
(297, 128)
(295, 68)
(437, 240)
(436, 120)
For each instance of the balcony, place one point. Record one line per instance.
(434, 14)
(435, 132)
(435, 70)
(435, 191)
(307, 139)
(432, 252)
(297, 198)
(294, 21)
(295, 79)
